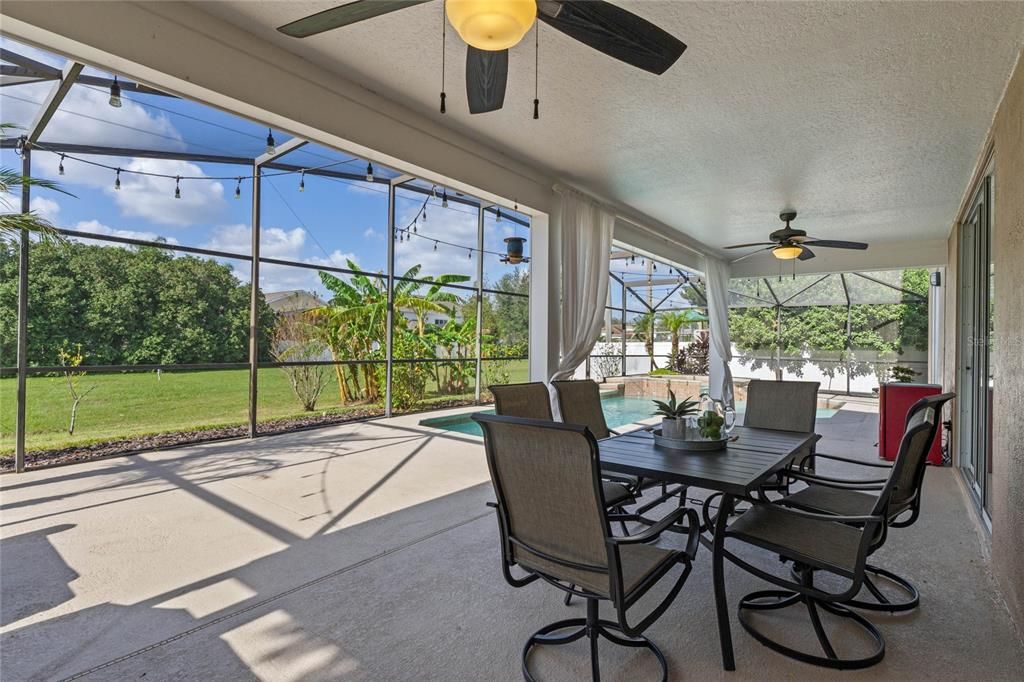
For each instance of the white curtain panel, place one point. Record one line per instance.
(586, 229)
(720, 379)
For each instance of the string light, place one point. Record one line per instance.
(444, 198)
(415, 227)
(238, 189)
(498, 212)
(117, 179)
(115, 94)
(470, 254)
(60, 166)
(435, 245)
(177, 187)
(20, 146)
(423, 216)
(369, 172)
(632, 260)
(271, 146)
(302, 182)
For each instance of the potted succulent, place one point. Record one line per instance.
(673, 415)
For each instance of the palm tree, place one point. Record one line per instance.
(673, 321)
(12, 220)
(643, 329)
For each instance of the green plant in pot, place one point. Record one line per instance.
(674, 414)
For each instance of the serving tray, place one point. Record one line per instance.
(702, 445)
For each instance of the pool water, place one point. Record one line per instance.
(619, 411)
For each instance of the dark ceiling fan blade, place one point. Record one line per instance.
(743, 246)
(836, 244)
(486, 76)
(805, 253)
(754, 253)
(614, 31)
(343, 15)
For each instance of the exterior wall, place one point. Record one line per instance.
(1006, 139)
(1008, 248)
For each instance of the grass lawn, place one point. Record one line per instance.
(143, 403)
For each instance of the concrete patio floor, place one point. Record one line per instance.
(365, 552)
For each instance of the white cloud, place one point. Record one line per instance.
(47, 209)
(96, 227)
(454, 227)
(282, 244)
(369, 233)
(153, 198)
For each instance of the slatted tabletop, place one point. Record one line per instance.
(735, 470)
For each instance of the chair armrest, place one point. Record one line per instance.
(840, 483)
(673, 517)
(876, 465)
(849, 520)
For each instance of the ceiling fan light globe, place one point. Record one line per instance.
(491, 24)
(787, 252)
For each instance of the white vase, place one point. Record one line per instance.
(672, 428)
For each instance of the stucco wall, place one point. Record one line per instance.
(1008, 249)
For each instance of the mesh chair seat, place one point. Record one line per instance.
(836, 501)
(615, 494)
(800, 538)
(638, 562)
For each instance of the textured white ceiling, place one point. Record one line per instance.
(866, 117)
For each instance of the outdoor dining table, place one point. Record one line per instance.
(750, 459)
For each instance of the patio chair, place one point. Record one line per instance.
(580, 403)
(533, 401)
(784, 406)
(838, 544)
(550, 509)
(831, 495)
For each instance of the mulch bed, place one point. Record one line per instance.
(132, 446)
(36, 459)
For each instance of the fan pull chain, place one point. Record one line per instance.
(536, 70)
(444, 36)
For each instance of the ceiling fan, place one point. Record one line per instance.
(789, 242)
(491, 27)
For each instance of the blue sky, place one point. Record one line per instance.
(329, 223)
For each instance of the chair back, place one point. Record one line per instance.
(907, 475)
(528, 401)
(781, 405)
(902, 489)
(580, 403)
(546, 477)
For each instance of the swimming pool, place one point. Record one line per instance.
(619, 411)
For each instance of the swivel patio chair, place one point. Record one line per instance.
(783, 406)
(831, 495)
(551, 519)
(533, 401)
(580, 403)
(816, 542)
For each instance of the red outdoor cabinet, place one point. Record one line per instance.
(894, 401)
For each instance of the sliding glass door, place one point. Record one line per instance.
(975, 378)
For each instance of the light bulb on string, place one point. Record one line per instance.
(499, 215)
(117, 179)
(238, 189)
(632, 259)
(115, 94)
(271, 145)
(470, 254)
(302, 182)
(369, 172)
(415, 226)
(435, 245)
(177, 187)
(444, 198)
(423, 216)
(60, 165)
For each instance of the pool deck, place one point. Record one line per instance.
(366, 552)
